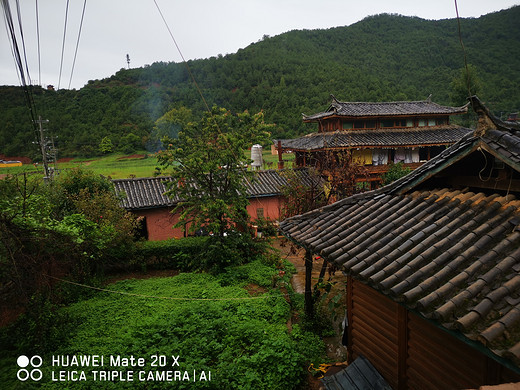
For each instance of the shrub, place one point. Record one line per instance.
(177, 254)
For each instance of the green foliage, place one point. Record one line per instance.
(466, 84)
(106, 145)
(168, 126)
(38, 330)
(381, 58)
(395, 171)
(130, 143)
(212, 323)
(182, 255)
(207, 166)
(73, 228)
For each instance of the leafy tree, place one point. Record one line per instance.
(208, 164)
(467, 83)
(169, 126)
(106, 145)
(395, 172)
(130, 143)
(302, 196)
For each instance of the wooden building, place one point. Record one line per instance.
(378, 134)
(433, 264)
(146, 198)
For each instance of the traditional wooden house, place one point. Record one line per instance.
(433, 264)
(378, 134)
(146, 198)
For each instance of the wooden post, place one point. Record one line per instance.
(402, 341)
(309, 304)
(280, 156)
(350, 318)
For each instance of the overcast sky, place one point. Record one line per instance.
(202, 29)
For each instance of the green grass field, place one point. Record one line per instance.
(119, 166)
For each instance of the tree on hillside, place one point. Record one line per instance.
(208, 164)
(467, 83)
(169, 125)
(106, 146)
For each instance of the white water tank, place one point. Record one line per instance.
(256, 156)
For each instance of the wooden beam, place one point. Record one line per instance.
(309, 304)
(402, 341)
(350, 306)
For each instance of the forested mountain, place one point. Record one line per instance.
(381, 58)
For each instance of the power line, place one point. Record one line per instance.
(38, 38)
(22, 71)
(63, 42)
(183, 59)
(77, 42)
(468, 81)
(162, 297)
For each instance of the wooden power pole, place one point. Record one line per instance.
(42, 142)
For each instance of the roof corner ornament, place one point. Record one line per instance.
(485, 121)
(429, 98)
(336, 104)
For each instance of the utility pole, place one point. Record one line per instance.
(40, 121)
(128, 60)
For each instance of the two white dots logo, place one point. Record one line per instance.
(23, 374)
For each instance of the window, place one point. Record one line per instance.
(370, 124)
(441, 121)
(431, 122)
(395, 123)
(387, 123)
(409, 123)
(422, 122)
(359, 125)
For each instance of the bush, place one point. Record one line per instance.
(182, 255)
(244, 341)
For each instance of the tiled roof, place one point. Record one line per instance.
(359, 375)
(385, 109)
(451, 255)
(148, 192)
(438, 135)
(143, 192)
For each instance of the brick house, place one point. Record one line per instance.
(146, 198)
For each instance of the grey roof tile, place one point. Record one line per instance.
(149, 192)
(455, 248)
(438, 135)
(400, 108)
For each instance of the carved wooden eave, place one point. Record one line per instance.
(487, 121)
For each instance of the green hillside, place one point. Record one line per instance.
(381, 58)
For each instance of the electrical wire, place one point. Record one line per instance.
(19, 14)
(38, 39)
(77, 42)
(162, 297)
(182, 56)
(468, 81)
(22, 71)
(63, 42)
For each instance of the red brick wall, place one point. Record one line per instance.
(270, 206)
(159, 224)
(160, 221)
